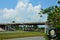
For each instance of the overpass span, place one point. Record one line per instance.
(7, 26)
(27, 23)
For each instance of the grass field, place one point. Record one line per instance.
(8, 35)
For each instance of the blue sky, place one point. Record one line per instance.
(13, 3)
(23, 10)
(44, 3)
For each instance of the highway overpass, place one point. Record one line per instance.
(7, 26)
(27, 23)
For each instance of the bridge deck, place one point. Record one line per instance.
(30, 23)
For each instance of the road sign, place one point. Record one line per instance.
(53, 33)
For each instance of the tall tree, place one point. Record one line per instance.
(58, 1)
(53, 17)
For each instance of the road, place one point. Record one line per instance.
(29, 38)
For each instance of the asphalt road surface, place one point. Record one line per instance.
(29, 38)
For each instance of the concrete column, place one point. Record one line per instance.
(23, 27)
(45, 28)
(8, 27)
(5, 28)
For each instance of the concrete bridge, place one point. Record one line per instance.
(27, 23)
(6, 26)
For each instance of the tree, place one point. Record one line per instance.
(13, 21)
(35, 27)
(53, 17)
(16, 27)
(58, 1)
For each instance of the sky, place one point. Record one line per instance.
(24, 10)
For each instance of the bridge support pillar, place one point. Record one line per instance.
(46, 27)
(5, 28)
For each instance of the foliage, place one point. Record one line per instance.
(53, 17)
(13, 21)
(58, 1)
(35, 26)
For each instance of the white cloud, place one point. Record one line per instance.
(23, 12)
(7, 13)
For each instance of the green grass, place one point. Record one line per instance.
(8, 35)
